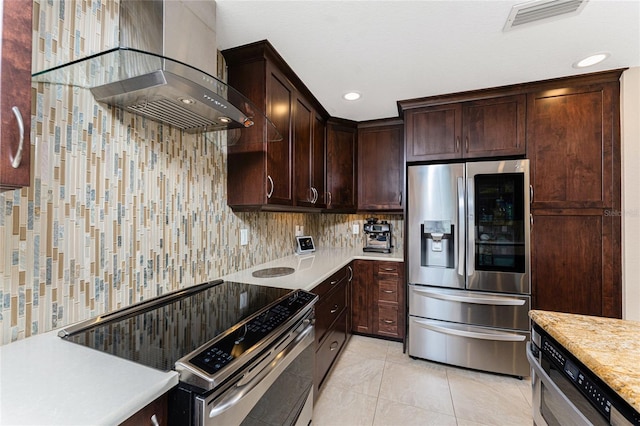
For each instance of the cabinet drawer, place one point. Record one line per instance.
(330, 348)
(339, 277)
(388, 319)
(329, 309)
(389, 268)
(388, 291)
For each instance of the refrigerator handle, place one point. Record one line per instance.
(461, 223)
(471, 230)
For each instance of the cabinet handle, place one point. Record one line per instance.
(388, 321)
(350, 273)
(388, 291)
(457, 143)
(270, 193)
(334, 282)
(530, 194)
(400, 198)
(388, 269)
(335, 309)
(330, 199)
(154, 421)
(466, 144)
(315, 195)
(531, 221)
(334, 345)
(15, 161)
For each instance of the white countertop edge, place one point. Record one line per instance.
(46, 380)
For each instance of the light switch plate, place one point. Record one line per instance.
(244, 237)
(355, 228)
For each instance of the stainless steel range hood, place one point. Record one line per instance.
(164, 69)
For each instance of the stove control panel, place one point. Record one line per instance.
(249, 333)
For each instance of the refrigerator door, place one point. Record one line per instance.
(498, 215)
(435, 225)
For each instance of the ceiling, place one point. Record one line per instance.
(396, 50)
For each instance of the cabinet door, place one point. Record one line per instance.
(279, 100)
(303, 120)
(156, 413)
(341, 169)
(576, 263)
(15, 92)
(317, 160)
(380, 168)
(362, 298)
(494, 127)
(571, 143)
(433, 133)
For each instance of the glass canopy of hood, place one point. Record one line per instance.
(163, 90)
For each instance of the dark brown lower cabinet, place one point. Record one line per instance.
(156, 413)
(377, 299)
(332, 327)
(361, 305)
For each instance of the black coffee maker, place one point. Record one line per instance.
(378, 236)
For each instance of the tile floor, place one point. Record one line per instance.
(374, 383)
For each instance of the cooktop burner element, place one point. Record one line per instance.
(158, 332)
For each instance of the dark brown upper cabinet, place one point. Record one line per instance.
(309, 138)
(381, 165)
(341, 151)
(440, 130)
(574, 148)
(264, 173)
(15, 93)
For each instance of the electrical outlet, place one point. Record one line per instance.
(355, 228)
(299, 230)
(244, 237)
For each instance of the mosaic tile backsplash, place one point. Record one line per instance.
(120, 208)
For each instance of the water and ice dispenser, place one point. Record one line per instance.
(438, 243)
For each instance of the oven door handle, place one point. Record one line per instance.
(553, 389)
(242, 388)
(502, 337)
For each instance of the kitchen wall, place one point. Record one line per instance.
(630, 126)
(120, 208)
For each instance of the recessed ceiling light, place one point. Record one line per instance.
(224, 119)
(591, 60)
(352, 96)
(187, 101)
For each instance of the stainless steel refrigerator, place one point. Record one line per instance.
(468, 256)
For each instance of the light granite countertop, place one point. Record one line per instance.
(609, 347)
(45, 380)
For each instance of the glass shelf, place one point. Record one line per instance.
(152, 85)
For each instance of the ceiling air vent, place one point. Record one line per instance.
(534, 11)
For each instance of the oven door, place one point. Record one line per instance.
(556, 401)
(277, 389)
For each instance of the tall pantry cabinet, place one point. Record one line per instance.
(573, 143)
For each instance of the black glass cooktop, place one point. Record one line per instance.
(159, 335)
